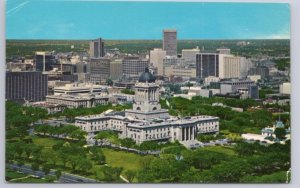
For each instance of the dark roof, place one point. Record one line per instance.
(147, 76)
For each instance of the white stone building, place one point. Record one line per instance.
(157, 56)
(147, 121)
(78, 101)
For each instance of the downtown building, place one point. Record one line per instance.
(116, 69)
(157, 56)
(132, 67)
(263, 71)
(221, 64)
(170, 42)
(97, 48)
(26, 86)
(246, 88)
(79, 96)
(147, 121)
(44, 61)
(207, 64)
(174, 67)
(231, 66)
(189, 55)
(99, 69)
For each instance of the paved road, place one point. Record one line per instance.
(65, 177)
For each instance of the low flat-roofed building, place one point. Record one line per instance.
(78, 101)
(50, 107)
(75, 89)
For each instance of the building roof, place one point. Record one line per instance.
(279, 124)
(147, 76)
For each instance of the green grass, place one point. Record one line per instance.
(220, 149)
(10, 174)
(30, 180)
(276, 177)
(114, 158)
(129, 161)
(45, 142)
(253, 130)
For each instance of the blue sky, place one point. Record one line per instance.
(88, 19)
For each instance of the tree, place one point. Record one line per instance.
(84, 164)
(35, 167)
(280, 133)
(28, 149)
(78, 134)
(109, 82)
(130, 174)
(127, 142)
(244, 149)
(46, 168)
(50, 179)
(74, 161)
(58, 174)
(112, 173)
(42, 129)
(63, 157)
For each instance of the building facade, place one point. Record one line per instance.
(100, 69)
(97, 48)
(207, 64)
(116, 69)
(133, 66)
(44, 61)
(29, 86)
(170, 42)
(190, 54)
(78, 101)
(157, 56)
(247, 88)
(263, 71)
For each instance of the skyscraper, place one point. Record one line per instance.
(97, 48)
(170, 42)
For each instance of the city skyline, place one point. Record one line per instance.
(194, 20)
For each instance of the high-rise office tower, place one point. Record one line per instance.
(21, 86)
(170, 42)
(44, 61)
(97, 48)
(207, 64)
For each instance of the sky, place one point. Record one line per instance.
(90, 19)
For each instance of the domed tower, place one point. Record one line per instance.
(146, 104)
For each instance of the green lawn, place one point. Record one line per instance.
(30, 180)
(253, 130)
(276, 177)
(220, 149)
(10, 174)
(44, 141)
(114, 158)
(122, 159)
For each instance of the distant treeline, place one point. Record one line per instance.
(15, 48)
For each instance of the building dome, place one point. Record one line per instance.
(147, 76)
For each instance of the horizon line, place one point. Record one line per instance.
(159, 39)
